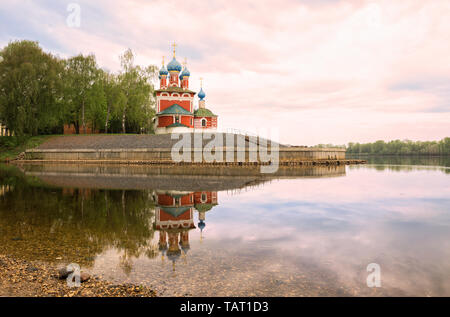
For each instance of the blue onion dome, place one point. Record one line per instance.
(163, 71)
(201, 94)
(201, 225)
(173, 256)
(185, 72)
(174, 66)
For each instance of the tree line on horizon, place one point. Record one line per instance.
(395, 147)
(41, 92)
(398, 147)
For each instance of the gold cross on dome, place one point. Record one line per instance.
(185, 62)
(174, 47)
(163, 60)
(201, 82)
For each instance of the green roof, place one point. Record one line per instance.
(175, 109)
(175, 211)
(204, 207)
(202, 112)
(177, 124)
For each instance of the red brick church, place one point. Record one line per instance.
(175, 109)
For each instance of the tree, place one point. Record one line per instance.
(136, 85)
(96, 104)
(115, 97)
(39, 92)
(405, 147)
(30, 89)
(82, 90)
(378, 147)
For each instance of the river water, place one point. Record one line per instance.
(234, 232)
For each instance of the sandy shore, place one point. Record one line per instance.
(20, 278)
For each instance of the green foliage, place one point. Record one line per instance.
(115, 101)
(30, 89)
(7, 142)
(77, 223)
(324, 146)
(39, 93)
(398, 147)
(12, 146)
(135, 84)
(82, 91)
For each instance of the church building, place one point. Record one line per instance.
(175, 109)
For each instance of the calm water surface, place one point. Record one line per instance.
(302, 233)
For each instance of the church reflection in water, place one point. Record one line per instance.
(174, 219)
(81, 213)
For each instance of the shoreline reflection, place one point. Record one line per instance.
(303, 232)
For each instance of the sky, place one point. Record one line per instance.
(302, 71)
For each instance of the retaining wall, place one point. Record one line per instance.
(164, 155)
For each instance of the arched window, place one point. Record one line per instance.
(177, 119)
(203, 122)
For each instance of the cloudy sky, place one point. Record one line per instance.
(313, 71)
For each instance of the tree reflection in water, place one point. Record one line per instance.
(46, 223)
(72, 213)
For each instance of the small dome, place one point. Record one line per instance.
(201, 94)
(163, 71)
(173, 255)
(174, 66)
(201, 225)
(185, 72)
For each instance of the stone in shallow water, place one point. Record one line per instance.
(84, 277)
(63, 273)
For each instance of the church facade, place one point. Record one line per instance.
(175, 109)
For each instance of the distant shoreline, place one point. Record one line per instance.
(398, 155)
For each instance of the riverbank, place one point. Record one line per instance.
(229, 149)
(20, 278)
(11, 147)
(192, 149)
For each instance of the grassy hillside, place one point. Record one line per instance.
(11, 147)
